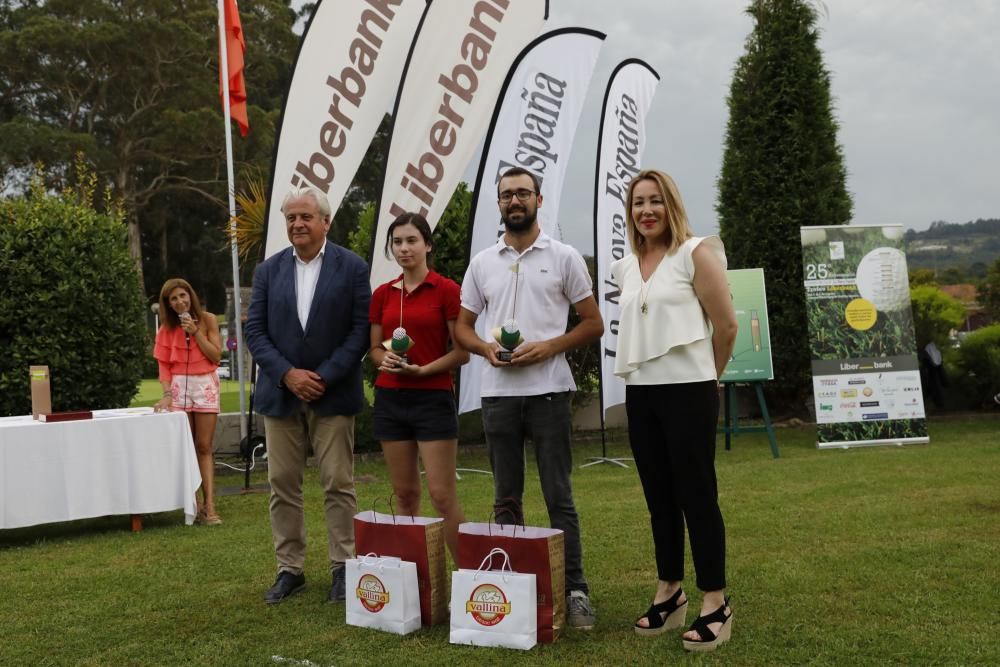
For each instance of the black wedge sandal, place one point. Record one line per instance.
(709, 641)
(663, 616)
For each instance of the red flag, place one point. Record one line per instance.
(235, 48)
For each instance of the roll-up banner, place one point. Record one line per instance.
(866, 379)
(533, 127)
(619, 158)
(751, 358)
(348, 69)
(460, 58)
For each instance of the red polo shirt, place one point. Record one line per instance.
(426, 311)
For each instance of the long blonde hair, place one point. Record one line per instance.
(677, 220)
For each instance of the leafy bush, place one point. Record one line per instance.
(977, 362)
(71, 300)
(935, 314)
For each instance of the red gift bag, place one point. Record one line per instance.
(417, 539)
(538, 551)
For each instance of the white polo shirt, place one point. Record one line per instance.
(550, 276)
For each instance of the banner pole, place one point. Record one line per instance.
(231, 191)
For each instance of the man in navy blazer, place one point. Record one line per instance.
(308, 329)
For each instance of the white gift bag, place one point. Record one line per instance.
(493, 608)
(382, 594)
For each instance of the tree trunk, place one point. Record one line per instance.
(134, 229)
(135, 248)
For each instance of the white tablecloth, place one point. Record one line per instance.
(120, 462)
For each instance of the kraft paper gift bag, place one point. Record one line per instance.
(493, 608)
(538, 551)
(417, 539)
(382, 594)
(41, 391)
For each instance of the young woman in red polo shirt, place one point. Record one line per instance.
(415, 410)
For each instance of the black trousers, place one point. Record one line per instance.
(672, 434)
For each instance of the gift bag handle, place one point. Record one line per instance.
(375, 504)
(364, 559)
(496, 551)
(507, 506)
(392, 509)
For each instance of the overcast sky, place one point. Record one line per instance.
(916, 88)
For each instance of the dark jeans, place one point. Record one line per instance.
(545, 419)
(672, 433)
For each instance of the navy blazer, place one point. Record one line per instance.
(333, 344)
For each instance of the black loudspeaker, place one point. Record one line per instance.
(249, 444)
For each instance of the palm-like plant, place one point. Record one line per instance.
(247, 227)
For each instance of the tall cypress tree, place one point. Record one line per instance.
(782, 169)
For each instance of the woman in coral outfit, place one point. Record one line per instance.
(188, 348)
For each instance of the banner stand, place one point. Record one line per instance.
(603, 458)
(731, 422)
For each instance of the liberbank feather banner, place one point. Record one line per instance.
(460, 58)
(533, 127)
(619, 158)
(348, 68)
(866, 379)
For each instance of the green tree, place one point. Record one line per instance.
(922, 277)
(782, 169)
(450, 235)
(978, 364)
(989, 292)
(366, 186)
(935, 314)
(70, 301)
(133, 85)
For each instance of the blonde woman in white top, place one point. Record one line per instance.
(676, 334)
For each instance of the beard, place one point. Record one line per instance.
(522, 225)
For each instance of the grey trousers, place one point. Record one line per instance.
(545, 419)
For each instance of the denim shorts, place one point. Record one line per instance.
(415, 414)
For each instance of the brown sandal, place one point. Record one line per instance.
(212, 519)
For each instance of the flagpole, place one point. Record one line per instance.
(234, 250)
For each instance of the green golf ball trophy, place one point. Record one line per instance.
(399, 344)
(509, 337)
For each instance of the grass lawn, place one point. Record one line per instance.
(150, 392)
(883, 555)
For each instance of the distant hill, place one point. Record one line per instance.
(966, 247)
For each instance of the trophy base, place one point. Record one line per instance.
(505, 355)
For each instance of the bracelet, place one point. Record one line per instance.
(167, 394)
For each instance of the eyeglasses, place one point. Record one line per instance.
(522, 195)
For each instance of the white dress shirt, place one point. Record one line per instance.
(306, 277)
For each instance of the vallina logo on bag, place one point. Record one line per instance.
(488, 605)
(372, 593)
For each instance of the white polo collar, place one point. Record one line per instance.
(543, 240)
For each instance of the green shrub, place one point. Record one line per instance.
(977, 362)
(71, 300)
(935, 314)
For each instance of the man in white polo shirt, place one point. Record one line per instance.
(531, 278)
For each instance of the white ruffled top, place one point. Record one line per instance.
(672, 342)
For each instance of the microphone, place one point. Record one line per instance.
(183, 317)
